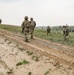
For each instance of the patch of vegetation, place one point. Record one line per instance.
(9, 42)
(30, 73)
(20, 48)
(46, 73)
(11, 28)
(29, 52)
(56, 34)
(35, 58)
(5, 39)
(22, 63)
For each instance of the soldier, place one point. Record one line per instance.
(32, 26)
(48, 29)
(22, 25)
(0, 21)
(65, 32)
(25, 28)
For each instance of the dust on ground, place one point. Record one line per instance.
(12, 53)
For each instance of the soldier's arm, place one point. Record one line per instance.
(35, 23)
(29, 23)
(22, 25)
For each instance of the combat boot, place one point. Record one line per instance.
(26, 40)
(31, 37)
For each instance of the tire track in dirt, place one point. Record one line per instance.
(60, 56)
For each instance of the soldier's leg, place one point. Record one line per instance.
(22, 30)
(26, 36)
(65, 37)
(31, 35)
(63, 32)
(47, 33)
(32, 30)
(26, 39)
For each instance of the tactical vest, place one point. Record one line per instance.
(26, 24)
(32, 23)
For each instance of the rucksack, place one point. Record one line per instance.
(32, 23)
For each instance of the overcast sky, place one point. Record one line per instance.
(44, 12)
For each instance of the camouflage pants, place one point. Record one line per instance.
(48, 31)
(65, 35)
(31, 31)
(22, 29)
(26, 32)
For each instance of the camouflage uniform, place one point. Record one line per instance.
(65, 32)
(22, 25)
(32, 26)
(25, 28)
(48, 30)
(0, 21)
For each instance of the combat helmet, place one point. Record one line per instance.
(26, 17)
(31, 18)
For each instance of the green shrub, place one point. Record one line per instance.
(35, 58)
(29, 53)
(22, 63)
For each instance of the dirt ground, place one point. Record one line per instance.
(43, 57)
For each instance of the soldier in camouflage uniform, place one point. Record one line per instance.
(0, 21)
(32, 26)
(22, 25)
(65, 32)
(48, 29)
(25, 28)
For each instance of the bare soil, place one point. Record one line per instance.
(44, 57)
